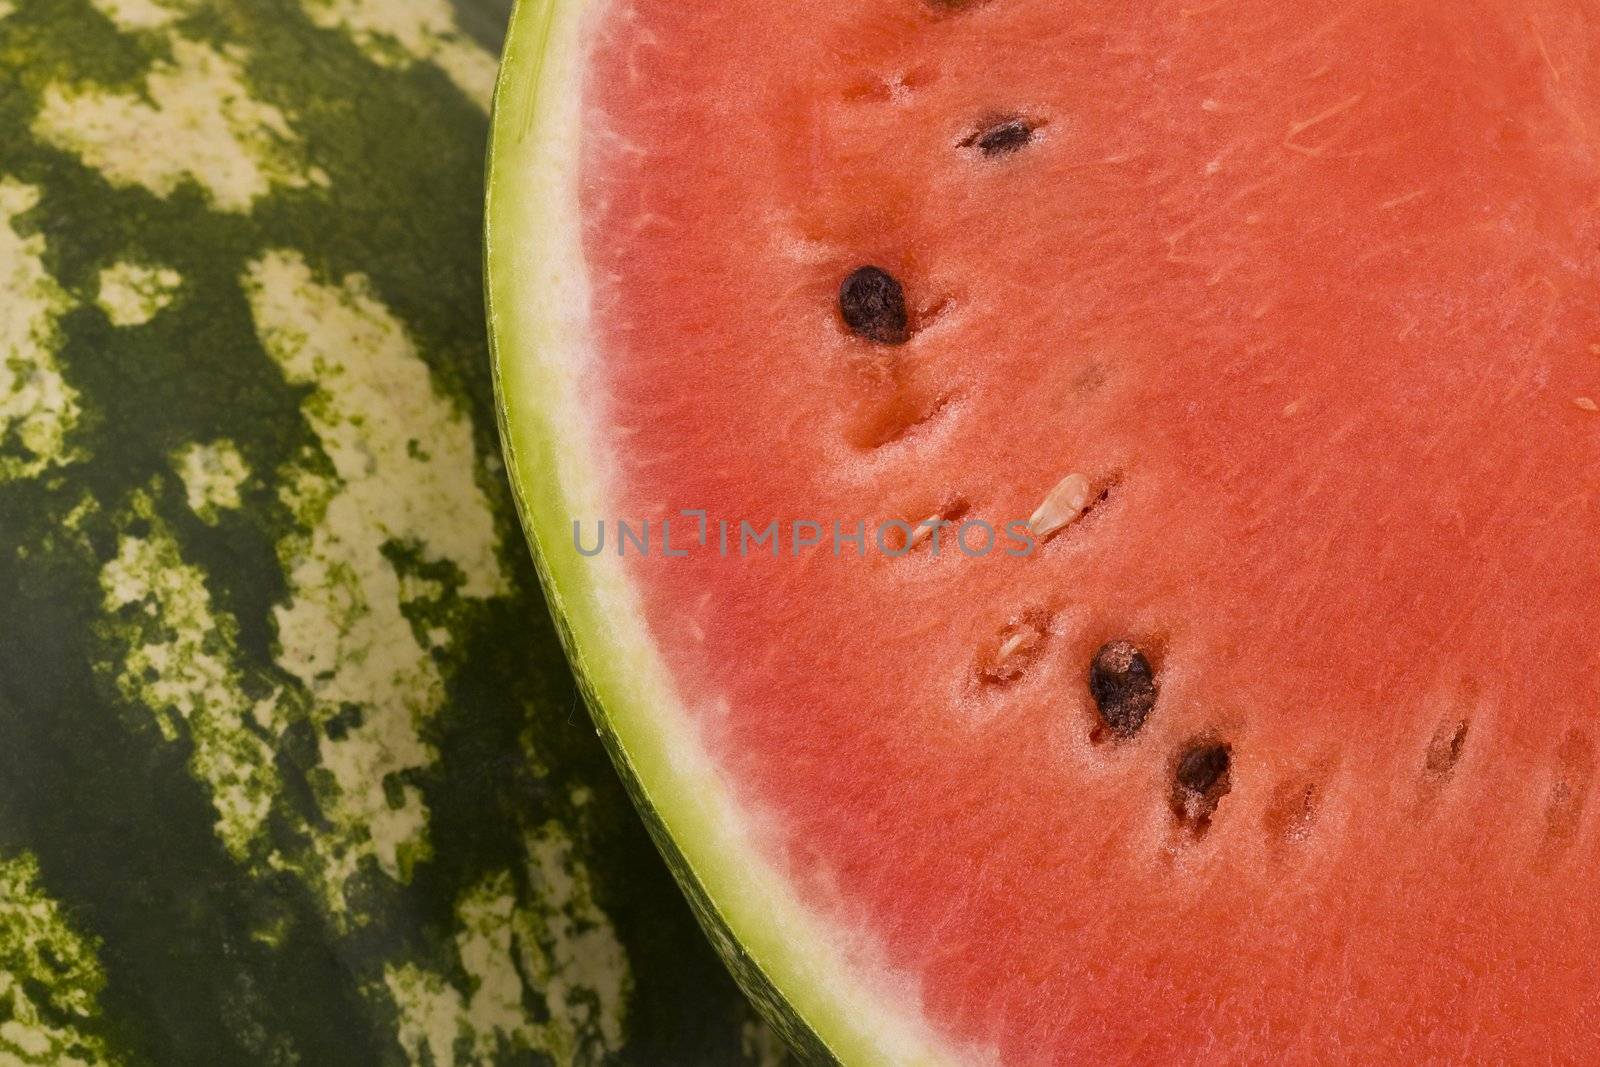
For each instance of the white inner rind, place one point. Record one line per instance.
(554, 420)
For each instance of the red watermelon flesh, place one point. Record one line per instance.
(1307, 294)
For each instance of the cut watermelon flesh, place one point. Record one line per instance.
(1307, 295)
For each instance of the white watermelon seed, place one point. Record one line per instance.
(1014, 642)
(1064, 505)
(945, 516)
(1021, 643)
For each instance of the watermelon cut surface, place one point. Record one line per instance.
(1272, 326)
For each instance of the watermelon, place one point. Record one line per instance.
(291, 765)
(1244, 355)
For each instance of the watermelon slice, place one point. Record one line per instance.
(1263, 340)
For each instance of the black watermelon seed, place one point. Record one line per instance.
(1200, 782)
(874, 306)
(1001, 139)
(1123, 687)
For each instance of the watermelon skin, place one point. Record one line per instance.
(534, 325)
(290, 768)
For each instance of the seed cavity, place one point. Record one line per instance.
(889, 421)
(1294, 806)
(1001, 138)
(1123, 686)
(1569, 792)
(873, 306)
(1199, 782)
(1444, 751)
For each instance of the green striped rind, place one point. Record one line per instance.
(50, 978)
(289, 764)
(533, 447)
(819, 984)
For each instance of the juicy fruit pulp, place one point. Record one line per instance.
(1305, 293)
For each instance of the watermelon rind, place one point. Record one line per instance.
(816, 982)
(292, 768)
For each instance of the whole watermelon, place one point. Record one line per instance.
(291, 768)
